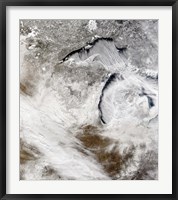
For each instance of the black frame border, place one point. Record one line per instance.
(3, 5)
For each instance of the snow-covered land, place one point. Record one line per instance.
(88, 100)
